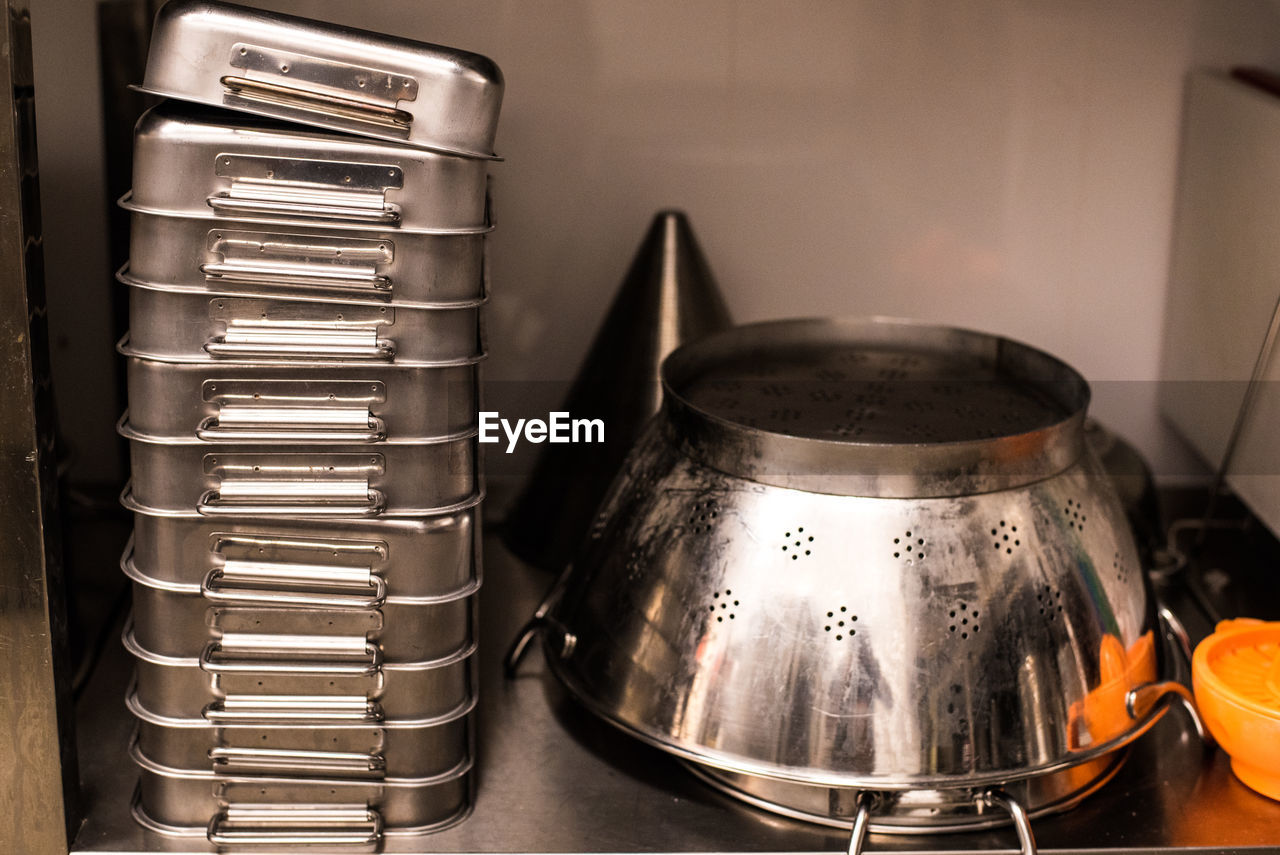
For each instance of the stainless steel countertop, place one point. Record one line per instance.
(552, 779)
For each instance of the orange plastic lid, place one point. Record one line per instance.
(1236, 676)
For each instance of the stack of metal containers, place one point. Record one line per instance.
(302, 367)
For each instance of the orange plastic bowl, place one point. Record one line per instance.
(1236, 676)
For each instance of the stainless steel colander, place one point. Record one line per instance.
(867, 569)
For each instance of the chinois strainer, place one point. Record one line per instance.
(867, 570)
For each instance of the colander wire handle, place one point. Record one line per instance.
(861, 822)
(1174, 629)
(1146, 699)
(1021, 823)
(540, 620)
(1143, 700)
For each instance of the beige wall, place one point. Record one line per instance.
(1002, 165)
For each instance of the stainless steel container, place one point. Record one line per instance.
(274, 613)
(236, 325)
(273, 810)
(291, 401)
(195, 161)
(306, 262)
(308, 746)
(428, 556)
(313, 478)
(187, 687)
(325, 75)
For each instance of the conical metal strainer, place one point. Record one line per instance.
(868, 569)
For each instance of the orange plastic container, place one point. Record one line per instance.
(1236, 676)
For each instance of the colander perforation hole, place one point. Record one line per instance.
(1005, 536)
(1074, 514)
(724, 607)
(909, 547)
(839, 623)
(963, 621)
(799, 543)
(854, 417)
(825, 396)
(1049, 602)
(1118, 565)
(921, 431)
(703, 515)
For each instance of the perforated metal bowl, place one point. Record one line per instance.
(854, 556)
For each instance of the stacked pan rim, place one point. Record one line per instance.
(305, 335)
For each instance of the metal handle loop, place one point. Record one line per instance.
(211, 665)
(520, 645)
(212, 590)
(318, 102)
(1173, 628)
(540, 620)
(225, 759)
(861, 822)
(223, 203)
(219, 348)
(1142, 700)
(308, 708)
(1021, 823)
(210, 429)
(212, 504)
(313, 275)
(296, 825)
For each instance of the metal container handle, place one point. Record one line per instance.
(296, 825)
(308, 708)
(228, 760)
(265, 274)
(318, 102)
(319, 343)
(226, 204)
(213, 429)
(213, 589)
(286, 645)
(213, 504)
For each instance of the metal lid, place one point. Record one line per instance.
(326, 75)
(875, 407)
